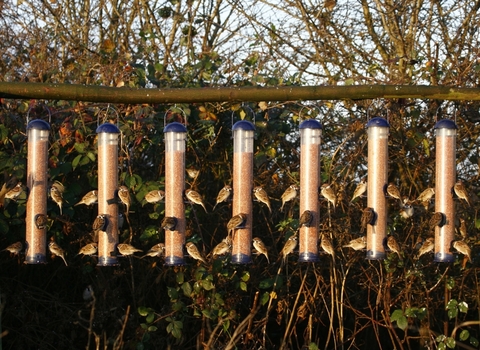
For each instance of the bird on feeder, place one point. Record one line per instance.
(426, 247)
(100, 223)
(306, 219)
(127, 249)
(289, 247)
(223, 195)
(222, 248)
(89, 249)
(235, 222)
(89, 199)
(41, 221)
(14, 248)
(357, 244)
(156, 251)
(169, 223)
(461, 192)
(155, 196)
(193, 251)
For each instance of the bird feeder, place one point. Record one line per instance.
(310, 138)
(445, 134)
(377, 130)
(37, 177)
(243, 134)
(107, 189)
(175, 141)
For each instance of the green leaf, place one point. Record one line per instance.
(139, 346)
(177, 333)
(243, 286)
(464, 335)
(150, 317)
(179, 277)
(452, 304)
(450, 342)
(207, 284)
(452, 313)
(143, 311)
(207, 313)
(264, 298)
(440, 338)
(75, 161)
(441, 346)
(402, 323)
(463, 307)
(396, 315)
(152, 329)
(226, 325)
(312, 346)
(79, 147)
(178, 306)
(450, 283)
(474, 341)
(187, 289)
(349, 81)
(426, 147)
(172, 293)
(245, 276)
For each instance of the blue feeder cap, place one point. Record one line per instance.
(445, 124)
(38, 124)
(243, 125)
(378, 122)
(175, 127)
(310, 124)
(108, 128)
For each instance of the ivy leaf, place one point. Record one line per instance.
(450, 342)
(464, 335)
(463, 307)
(396, 315)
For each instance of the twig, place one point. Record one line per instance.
(119, 340)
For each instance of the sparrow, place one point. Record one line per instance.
(437, 219)
(15, 192)
(290, 194)
(14, 248)
(88, 249)
(393, 245)
(426, 195)
(260, 247)
(463, 229)
(460, 191)
(169, 223)
(394, 192)
(195, 198)
(357, 244)
(154, 196)
(124, 196)
(326, 244)
(59, 186)
(7, 186)
(359, 190)
(406, 211)
(462, 248)
(41, 221)
(289, 247)
(326, 191)
(100, 223)
(306, 219)
(127, 249)
(89, 199)
(56, 250)
(192, 172)
(156, 251)
(236, 221)
(223, 195)
(368, 217)
(262, 196)
(426, 247)
(222, 248)
(57, 197)
(193, 251)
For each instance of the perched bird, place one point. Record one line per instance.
(223, 195)
(222, 248)
(169, 223)
(124, 196)
(290, 194)
(262, 196)
(41, 221)
(100, 223)
(406, 211)
(195, 197)
(426, 247)
(156, 251)
(327, 246)
(192, 172)
(463, 229)
(437, 219)
(260, 247)
(55, 249)
(305, 219)
(88, 249)
(394, 192)
(327, 192)
(15, 192)
(154, 196)
(89, 199)
(357, 243)
(88, 294)
(426, 195)
(14, 248)
(7, 186)
(127, 249)
(59, 186)
(193, 251)
(368, 217)
(289, 247)
(462, 248)
(461, 192)
(359, 190)
(236, 221)
(392, 244)
(57, 197)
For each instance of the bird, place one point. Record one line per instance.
(7, 186)
(329, 5)
(357, 244)
(15, 192)
(290, 194)
(407, 211)
(437, 219)
(426, 247)
(100, 223)
(236, 221)
(89, 199)
(461, 192)
(192, 172)
(156, 251)
(127, 249)
(223, 195)
(462, 248)
(57, 197)
(169, 223)
(289, 247)
(426, 195)
(193, 251)
(368, 217)
(14, 248)
(306, 219)
(359, 190)
(262, 196)
(222, 248)
(55, 249)
(463, 229)
(327, 192)
(327, 246)
(195, 198)
(124, 196)
(88, 294)
(59, 186)
(394, 192)
(392, 244)
(40, 221)
(154, 196)
(89, 249)
(260, 247)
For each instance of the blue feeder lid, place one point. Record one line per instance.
(108, 128)
(310, 124)
(243, 125)
(38, 124)
(445, 124)
(378, 122)
(175, 127)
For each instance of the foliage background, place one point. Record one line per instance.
(352, 303)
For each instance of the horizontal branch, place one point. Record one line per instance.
(126, 95)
